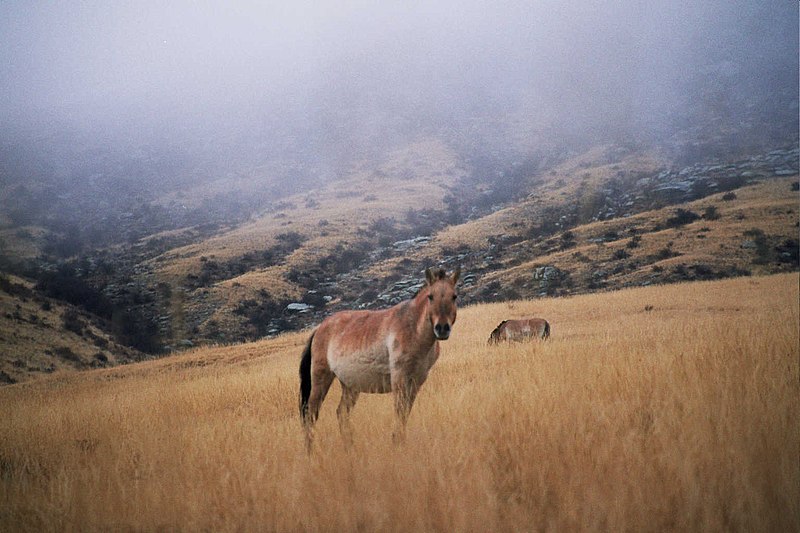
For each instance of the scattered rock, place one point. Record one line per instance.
(299, 307)
(416, 242)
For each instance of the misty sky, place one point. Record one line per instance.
(180, 67)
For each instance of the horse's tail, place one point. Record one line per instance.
(305, 379)
(546, 332)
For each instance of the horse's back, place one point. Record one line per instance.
(522, 329)
(539, 327)
(353, 329)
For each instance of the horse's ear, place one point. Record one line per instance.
(456, 274)
(429, 276)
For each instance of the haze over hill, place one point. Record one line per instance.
(112, 106)
(182, 173)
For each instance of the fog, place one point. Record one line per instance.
(216, 86)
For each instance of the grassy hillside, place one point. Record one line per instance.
(659, 408)
(740, 236)
(40, 335)
(597, 218)
(557, 224)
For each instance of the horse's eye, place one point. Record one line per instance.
(430, 297)
(455, 296)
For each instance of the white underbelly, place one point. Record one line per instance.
(364, 371)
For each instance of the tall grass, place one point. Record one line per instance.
(681, 417)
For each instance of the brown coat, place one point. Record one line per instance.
(520, 330)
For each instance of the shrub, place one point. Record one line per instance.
(64, 284)
(634, 242)
(665, 253)
(789, 251)
(133, 328)
(681, 218)
(291, 240)
(72, 321)
(620, 254)
(763, 252)
(64, 352)
(711, 213)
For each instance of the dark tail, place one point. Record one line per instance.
(546, 333)
(305, 379)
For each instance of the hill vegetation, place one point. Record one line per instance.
(668, 407)
(557, 223)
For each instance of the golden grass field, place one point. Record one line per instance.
(683, 416)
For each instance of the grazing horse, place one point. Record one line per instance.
(520, 330)
(391, 350)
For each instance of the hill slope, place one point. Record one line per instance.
(603, 219)
(564, 223)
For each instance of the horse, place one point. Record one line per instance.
(520, 330)
(389, 350)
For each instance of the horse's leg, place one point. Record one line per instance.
(321, 379)
(349, 397)
(405, 392)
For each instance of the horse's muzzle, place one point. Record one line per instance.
(442, 331)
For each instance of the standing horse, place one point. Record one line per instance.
(391, 350)
(520, 330)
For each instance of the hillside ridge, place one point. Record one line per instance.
(606, 218)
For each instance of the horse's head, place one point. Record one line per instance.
(494, 338)
(442, 300)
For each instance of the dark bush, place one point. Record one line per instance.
(314, 298)
(711, 213)
(762, 249)
(620, 254)
(681, 218)
(261, 313)
(72, 321)
(64, 352)
(789, 251)
(610, 235)
(666, 252)
(567, 240)
(64, 284)
(133, 328)
(291, 240)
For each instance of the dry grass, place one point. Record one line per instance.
(681, 417)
